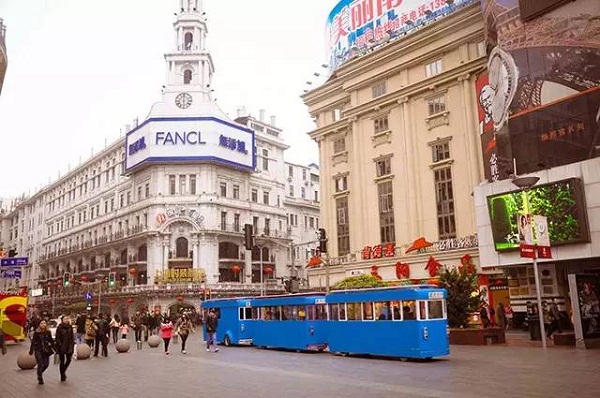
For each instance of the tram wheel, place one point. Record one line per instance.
(227, 341)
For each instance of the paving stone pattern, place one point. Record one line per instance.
(469, 372)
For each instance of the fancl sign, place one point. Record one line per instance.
(190, 139)
(354, 26)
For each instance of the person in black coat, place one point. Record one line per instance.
(65, 341)
(43, 347)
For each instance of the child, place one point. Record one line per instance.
(124, 329)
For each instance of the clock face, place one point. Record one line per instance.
(183, 100)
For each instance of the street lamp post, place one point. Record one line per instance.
(526, 183)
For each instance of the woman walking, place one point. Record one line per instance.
(42, 346)
(115, 322)
(166, 329)
(65, 341)
(184, 329)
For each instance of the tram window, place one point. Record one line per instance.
(255, 313)
(367, 312)
(396, 312)
(301, 313)
(353, 311)
(436, 310)
(310, 312)
(277, 311)
(241, 313)
(408, 310)
(343, 312)
(321, 312)
(288, 313)
(248, 314)
(382, 311)
(422, 309)
(334, 314)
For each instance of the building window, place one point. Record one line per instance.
(128, 198)
(171, 185)
(341, 184)
(266, 197)
(148, 190)
(182, 190)
(339, 145)
(290, 171)
(181, 247)
(303, 192)
(121, 200)
(106, 207)
(311, 222)
(139, 193)
(316, 196)
(255, 223)
(187, 76)
(386, 212)
(236, 222)
(380, 124)
(379, 89)
(445, 203)
(343, 226)
(336, 114)
(112, 204)
(291, 191)
(440, 152)
(383, 167)
(236, 191)
(254, 195)
(146, 220)
(223, 220)
(265, 159)
(481, 50)
(192, 184)
(433, 68)
(436, 104)
(267, 226)
(303, 174)
(223, 189)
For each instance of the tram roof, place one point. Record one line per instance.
(409, 292)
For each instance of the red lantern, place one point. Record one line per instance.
(132, 272)
(236, 269)
(130, 300)
(268, 270)
(179, 298)
(59, 283)
(112, 301)
(84, 278)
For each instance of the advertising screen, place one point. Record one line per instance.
(588, 295)
(562, 202)
(354, 26)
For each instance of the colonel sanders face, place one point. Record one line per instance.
(486, 97)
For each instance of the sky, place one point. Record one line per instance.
(80, 70)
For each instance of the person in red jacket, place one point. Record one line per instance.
(166, 329)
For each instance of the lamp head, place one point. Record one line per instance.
(525, 182)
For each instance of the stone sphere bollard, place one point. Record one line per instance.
(154, 341)
(26, 361)
(123, 345)
(83, 351)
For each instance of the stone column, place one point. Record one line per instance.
(413, 226)
(195, 256)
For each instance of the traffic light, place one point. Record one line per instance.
(322, 240)
(112, 279)
(248, 237)
(12, 253)
(66, 279)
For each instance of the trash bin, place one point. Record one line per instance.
(535, 333)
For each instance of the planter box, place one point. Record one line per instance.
(477, 336)
(564, 339)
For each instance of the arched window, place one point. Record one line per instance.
(229, 250)
(187, 76)
(256, 254)
(107, 260)
(188, 40)
(142, 254)
(181, 248)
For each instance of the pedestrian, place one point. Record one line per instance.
(91, 329)
(124, 329)
(65, 342)
(80, 323)
(212, 323)
(166, 329)
(501, 316)
(136, 322)
(102, 336)
(114, 324)
(492, 316)
(483, 314)
(508, 311)
(555, 317)
(43, 347)
(2, 343)
(183, 330)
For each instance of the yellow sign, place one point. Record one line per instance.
(180, 275)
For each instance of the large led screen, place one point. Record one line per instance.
(562, 202)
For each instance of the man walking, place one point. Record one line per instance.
(211, 330)
(65, 341)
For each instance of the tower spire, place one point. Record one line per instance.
(189, 65)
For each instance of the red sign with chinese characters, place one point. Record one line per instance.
(544, 252)
(527, 251)
(379, 251)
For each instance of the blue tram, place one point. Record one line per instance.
(233, 315)
(297, 321)
(405, 322)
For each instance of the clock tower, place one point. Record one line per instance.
(187, 90)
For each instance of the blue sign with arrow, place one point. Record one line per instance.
(14, 261)
(10, 273)
(88, 296)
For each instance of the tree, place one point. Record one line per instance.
(464, 296)
(358, 282)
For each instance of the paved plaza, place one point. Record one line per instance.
(488, 371)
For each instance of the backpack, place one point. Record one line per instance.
(90, 330)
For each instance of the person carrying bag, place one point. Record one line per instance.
(42, 345)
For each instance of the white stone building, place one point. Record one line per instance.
(163, 209)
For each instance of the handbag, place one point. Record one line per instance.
(47, 347)
(56, 359)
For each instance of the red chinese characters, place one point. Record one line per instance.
(375, 272)
(389, 250)
(366, 253)
(433, 266)
(377, 252)
(402, 270)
